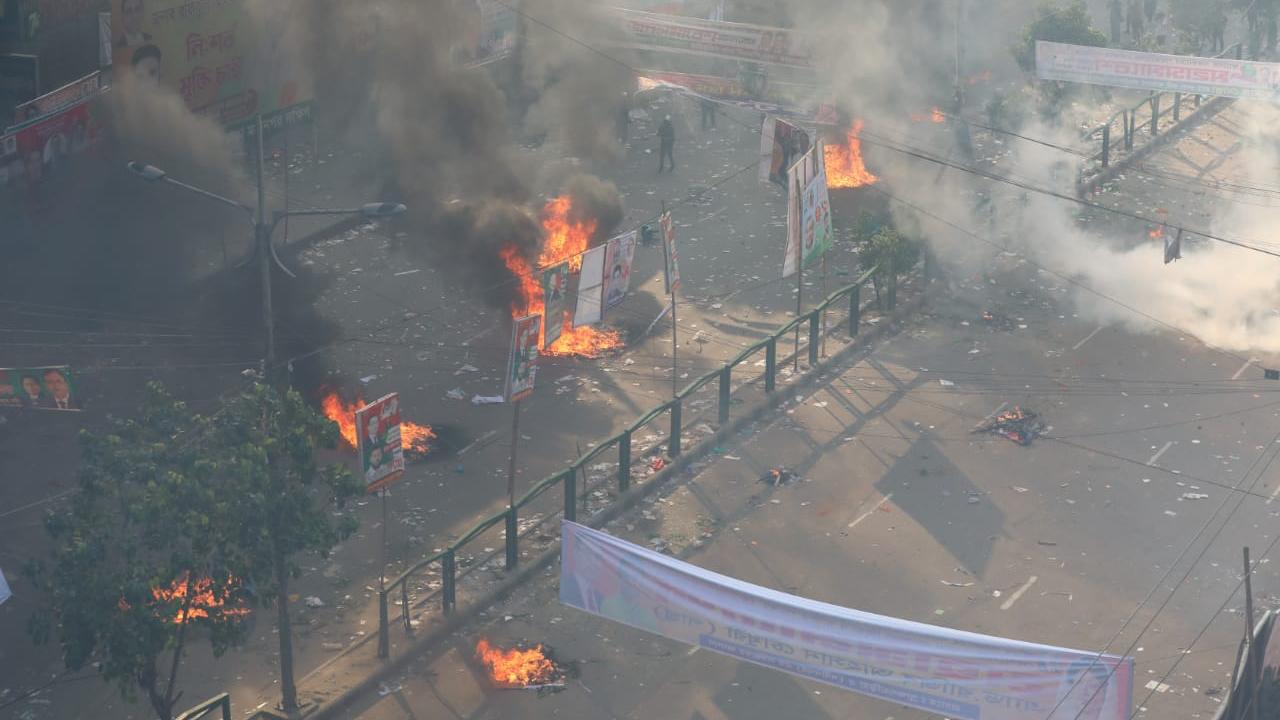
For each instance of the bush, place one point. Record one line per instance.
(1069, 23)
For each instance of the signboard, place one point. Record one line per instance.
(39, 388)
(781, 144)
(1247, 79)
(617, 262)
(808, 212)
(590, 288)
(225, 62)
(709, 38)
(961, 675)
(668, 229)
(555, 287)
(773, 97)
(378, 442)
(65, 96)
(523, 363)
(44, 145)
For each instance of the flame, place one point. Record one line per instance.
(935, 115)
(202, 602)
(565, 239)
(515, 667)
(1157, 234)
(414, 437)
(845, 168)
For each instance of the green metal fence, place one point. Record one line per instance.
(567, 478)
(220, 703)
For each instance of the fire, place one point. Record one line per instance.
(1157, 234)
(845, 168)
(515, 667)
(203, 600)
(935, 115)
(414, 437)
(566, 239)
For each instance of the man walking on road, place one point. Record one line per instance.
(667, 144)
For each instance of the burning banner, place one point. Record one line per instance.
(1020, 426)
(379, 444)
(939, 670)
(413, 437)
(555, 285)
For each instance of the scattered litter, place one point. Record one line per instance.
(1193, 496)
(657, 464)
(1019, 489)
(313, 602)
(778, 476)
(402, 273)
(948, 583)
(1170, 513)
(456, 394)
(946, 383)
(385, 690)
(1047, 543)
(466, 369)
(1020, 426)
(368, 379)
(974, 499)
(1157, 686)
(332, 646)
(486, 400)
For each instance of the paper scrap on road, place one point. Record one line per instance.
(487, 400)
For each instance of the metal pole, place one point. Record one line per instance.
(382, 574)
(1251, 660)
(959, 93)
(666, 260)
(511, 466)
(799, 275)
(262, 236)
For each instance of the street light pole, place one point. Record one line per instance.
(262, 243)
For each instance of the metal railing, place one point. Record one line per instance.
(219, 702)
(1127, 118)
(567, 478)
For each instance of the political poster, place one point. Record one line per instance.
(51, 387)
(378, 442)
(45, 144)
(708, 38)
(590, 288)
(226, 62)
(617, 261)
(953, 673)
(668, 229)
(781, 144)
(522, 366)
(555, 290)
(65, 96)
(1158, 72)
(808, 213)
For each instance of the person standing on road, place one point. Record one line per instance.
(667, 144)
(708, 114)
(624, 119)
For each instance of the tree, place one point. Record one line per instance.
(128, 551)
(891, 253)
(1069, 23)
(1200, 20)
(215, 504)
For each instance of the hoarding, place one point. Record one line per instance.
(1247, 79)
(710, 38)
(50, 387)
(522, 366)
(961, 675)
(555, 290)
(65, 96)
(378, 442)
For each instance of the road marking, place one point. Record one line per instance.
(1244, 367)
(868, 513)
(1087, 338)
(695, 649)
(1274, 494)
(1154, 458)
(1018, 593)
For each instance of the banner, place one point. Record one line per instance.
(39, 388)
(555, 285)
(669, 246)
(590, 288)
(1247, 79)
(750, 91)
(522, 365)
(962, 675)
(65, 96)
(44, 145)
(708, 38)
(781, 143)
(378, 442)
(617, 260)
(808, 212)
(224, 61)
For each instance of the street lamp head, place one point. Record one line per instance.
(382, 209)
(150, 173)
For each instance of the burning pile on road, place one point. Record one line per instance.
(844, 165)
(1018, 425)
(192, 600)
(567, 237)
(530, 668)
(416, 438)
(935, 115)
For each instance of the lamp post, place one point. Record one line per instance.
(262, 230)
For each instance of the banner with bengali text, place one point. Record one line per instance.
(962, 675)
(710, 38)
(1247, 79)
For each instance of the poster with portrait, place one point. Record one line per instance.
(51, 387)
(555, 289)
(523, 363)
(668, 229)
(781, 144)
(590, 288)
(619, 252)
(378, 442)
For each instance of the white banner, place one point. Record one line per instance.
(1155, 71)
(962, 675)
(590, 288)
(695, 36)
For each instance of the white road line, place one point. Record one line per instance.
(1159, 452)
(695, 649)
(868, 513)
(1243, 368)
(1018, 593)
(1087, 338)
(1274, 494)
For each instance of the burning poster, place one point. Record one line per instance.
(555, 285)
(617, 259)
(38, 388)
(522, 365)
(669, 245)
(781, 143)
(590, 288)
(940, 670)
(378, 442)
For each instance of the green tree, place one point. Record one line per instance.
(1199, 20)
(891, 253)
(1069, 23)
(227, 500)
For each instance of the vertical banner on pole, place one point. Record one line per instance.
(669, 244)
(522, 364)
(378, 442)
(555, 285)
(617, 262)
(590, 288)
